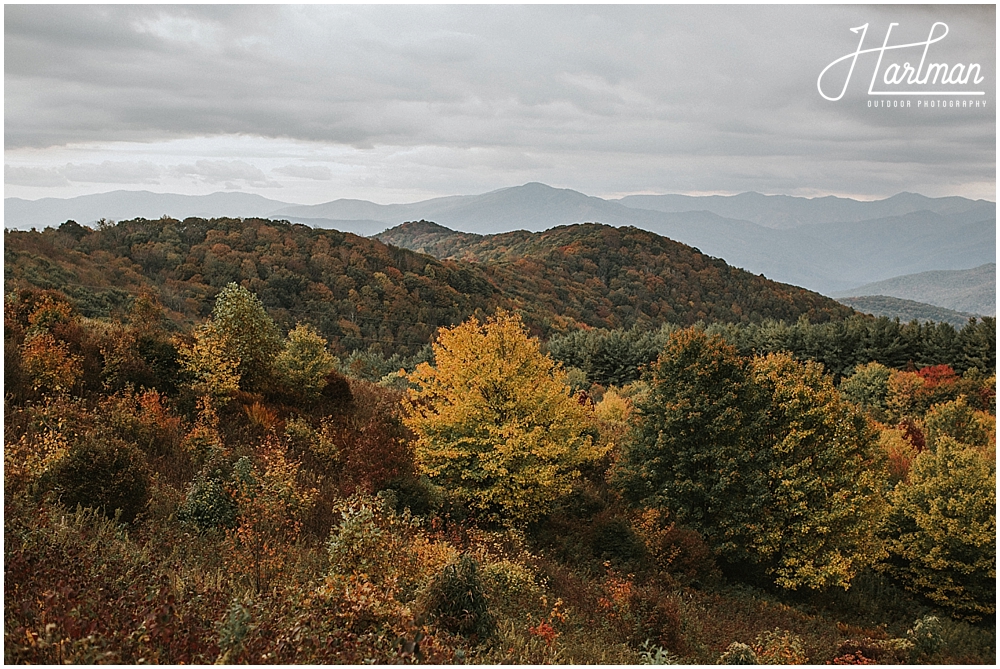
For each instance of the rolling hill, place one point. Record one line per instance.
(361, 291)
(971, 290)
(906, 310)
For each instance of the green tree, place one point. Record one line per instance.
(304, 362)
(760, 456)
(495, 422)
(942, 529)
(825, 482)
(695, 449)
(249, 334)
(867, 387)
(956, 419)
(211, 362)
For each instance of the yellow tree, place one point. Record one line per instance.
(496, 424)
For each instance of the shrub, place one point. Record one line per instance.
(738, 653)
(779, 647)
(926, 636)
(676, 550)
(651, 654)
(304, 363)
(613, 538)
(103, 473)
(271, 504)
(417, 494)
(874, 651)
(208, 505)
(510, 587)
(31, 457)
(374, 543)
(337, 390)
(456, 600)
(373, 445)
(48, 364)
(210, 361)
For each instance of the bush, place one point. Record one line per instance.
(779, 647)
(456, 600)
(676, 550)
(105, 474)
(926, 636)
(208, 505)
(510, 587)
(379, 546)
(337, 390)
(738, 653)
(613, 538)
(304, 363)
(873, 651)
(417, 494)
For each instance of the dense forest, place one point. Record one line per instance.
(359, 291)
(207, 460)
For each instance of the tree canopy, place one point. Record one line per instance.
(759, 455)
(495, 422)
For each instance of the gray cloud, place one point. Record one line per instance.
(39, 177)
(315, 172)
(228, 172)
(707, 97)
(107, 172)
(114, 172)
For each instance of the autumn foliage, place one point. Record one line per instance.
(241, 489)
(496, 424)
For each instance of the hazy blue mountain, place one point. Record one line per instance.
(970, 290)
(906, 310)
(784, 211)
(125, 204)
(534, 207)
(848, 243)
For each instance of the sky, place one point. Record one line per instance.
(308, 104)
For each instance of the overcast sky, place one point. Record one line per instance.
(400, 103)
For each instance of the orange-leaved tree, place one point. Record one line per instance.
(496, 424)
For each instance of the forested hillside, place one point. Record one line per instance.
(359, 292)
(968, 290)
(221, 446)
(641, 277)
(905, 310)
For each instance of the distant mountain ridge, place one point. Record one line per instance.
(906, 310)
(970, 291)
(785, 211)
(122, 205)
(874, 240)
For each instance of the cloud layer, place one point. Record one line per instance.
(449, 99)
